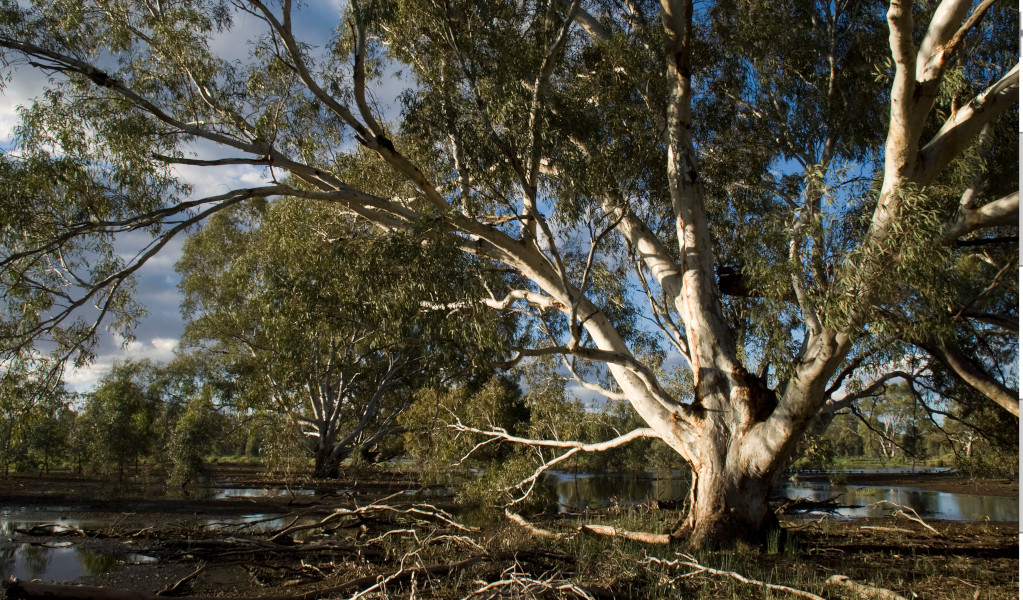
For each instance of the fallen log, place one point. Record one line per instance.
(636, 536)
(862, 590)
(533, 529)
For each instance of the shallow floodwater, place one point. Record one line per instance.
(576, 492)
(65, 562)
(929, 504)
(60, 562)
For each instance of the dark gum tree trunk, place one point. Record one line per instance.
(326, 466)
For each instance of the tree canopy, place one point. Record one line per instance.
(787, 200)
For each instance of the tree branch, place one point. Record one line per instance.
(573, 446)
(1001, 212)
(964, 125)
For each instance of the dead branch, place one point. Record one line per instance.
(689, 561)
(636, 536)
(867, 592)
(574, 447)
(421, 512)
(185, 583)
(49, 529)
(533, 529)
(915, 517)
(530, 587)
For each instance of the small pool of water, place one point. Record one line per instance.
(60, 562)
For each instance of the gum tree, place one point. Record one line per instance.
(782, 198)
(290, 298)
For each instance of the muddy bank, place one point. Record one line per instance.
(398, 552)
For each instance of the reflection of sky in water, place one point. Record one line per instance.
(60, 564)
(256, 492)
(577, 492)
(930, 504)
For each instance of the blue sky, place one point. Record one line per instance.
(158, 334)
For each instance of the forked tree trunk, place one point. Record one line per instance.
(732, 474)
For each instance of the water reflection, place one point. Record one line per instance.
(930, 504)
(57, 563)
(257, 492)
(580, 491)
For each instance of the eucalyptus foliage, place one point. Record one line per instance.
(794, 201)
(321, 317)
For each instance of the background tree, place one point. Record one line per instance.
(815, 155)
(329, 328)
(120, 414)
(34, 416)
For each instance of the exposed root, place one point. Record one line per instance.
(698, 569)
(867, 592)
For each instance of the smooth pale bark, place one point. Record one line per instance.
(976, 377)
(1001, 212)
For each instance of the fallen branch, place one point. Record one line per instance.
(533, 529)
(636, 536)
(867, 592)
(522, 584)
(692, 563)
(422, 512)
(51, 529)
(915, 517)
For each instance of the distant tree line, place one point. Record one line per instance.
(176, 419)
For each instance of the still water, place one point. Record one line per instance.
(576, 492)
(58, 562)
